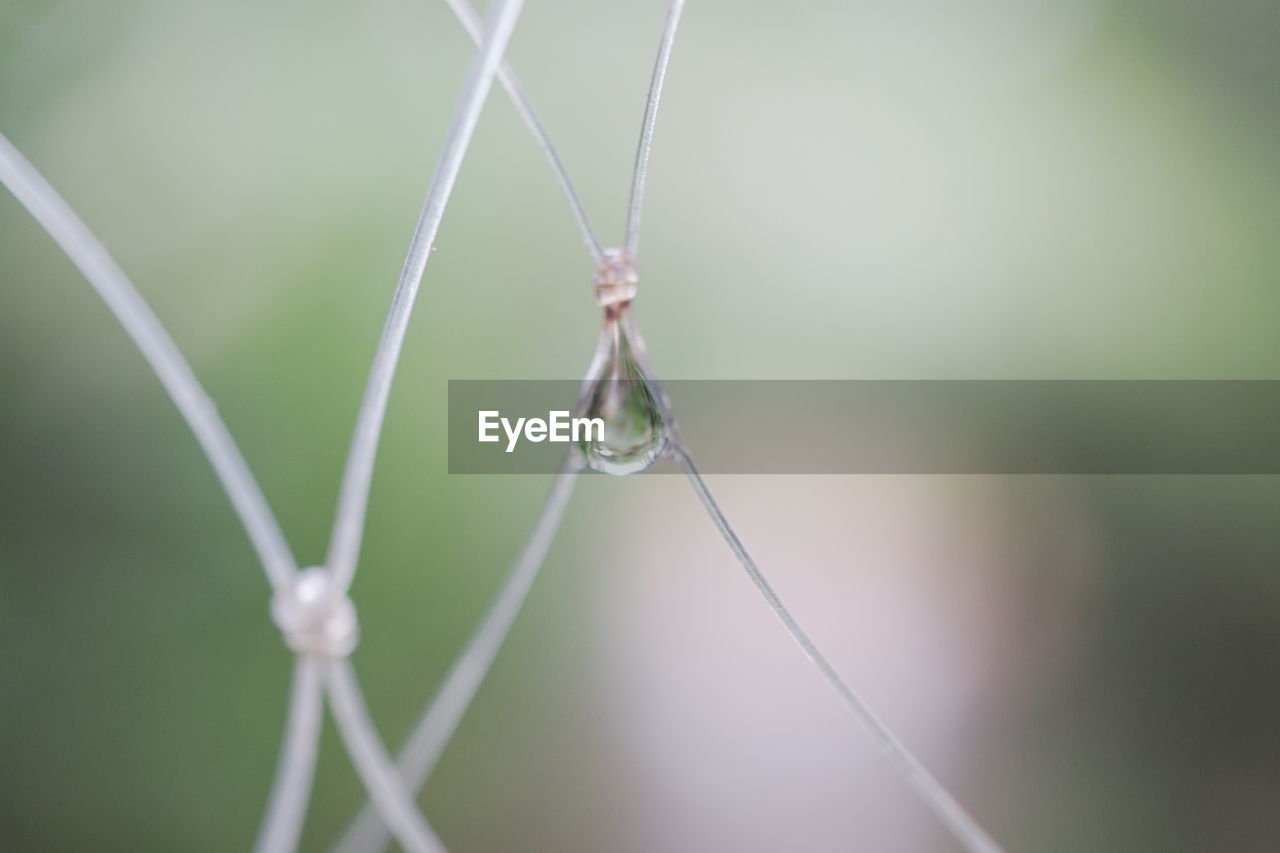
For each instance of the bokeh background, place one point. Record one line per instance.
(921, 189)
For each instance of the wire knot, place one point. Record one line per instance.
(315, 616)
(617, 278)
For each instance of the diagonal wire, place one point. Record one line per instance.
(641, 171)
(471, 22)
(292, 786)
(965, 829)
(142, 325)
(440, 720)
(287, 807)
(353, 500)
(386, 788)
(971, 835)
(420, 753)
(288, 802)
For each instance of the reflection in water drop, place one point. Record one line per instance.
(619, 391)
(635, 430)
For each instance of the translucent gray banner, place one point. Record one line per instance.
(898, 427)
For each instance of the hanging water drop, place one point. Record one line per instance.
(620, 392)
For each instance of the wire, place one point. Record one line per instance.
(386, 789)
(641, 171)
(471, 22)
(439, 721)
(287, 807)
(159, 350)
(353, 499)
(965, 829)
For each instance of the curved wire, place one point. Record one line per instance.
(386, 788)
(524, 107)
(353, 500)
(961, 825)
(159, 350)
(367, 833)
(641, 171)
(442, 716)
(287, 807)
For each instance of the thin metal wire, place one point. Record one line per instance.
(291, 789)
(441, 718)
(470, 21)
(435, 728)
(953, 816)
(353, 500)
(389, 794)
(287, 807)
(641, 171)
(159, 350)
(381, 780)
(965, 829)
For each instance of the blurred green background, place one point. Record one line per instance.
(922, 189)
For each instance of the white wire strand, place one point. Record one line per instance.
(159, 350)
(287, 807)
(961, 825)
(641, 172)
(386, 789)
(438, 723)
(389, 795)
(470, 21)
(286, 810)
(948, 811)
(353, 500)
(367, 833)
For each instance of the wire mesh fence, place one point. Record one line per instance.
(311, 606)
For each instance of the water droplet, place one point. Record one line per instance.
(635, 430)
